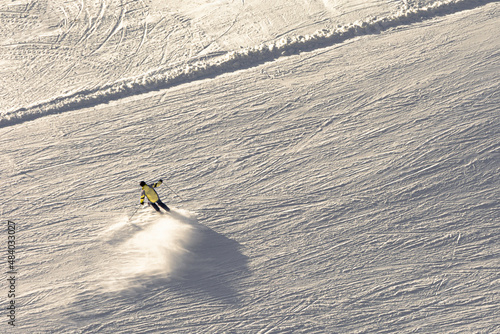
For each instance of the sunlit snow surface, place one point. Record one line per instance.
(66, 55)
(350, 186)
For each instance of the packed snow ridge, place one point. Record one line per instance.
(232, 61)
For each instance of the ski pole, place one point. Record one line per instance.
(133, 214)
(182, 199)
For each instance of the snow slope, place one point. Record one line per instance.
(352, 188)
(187, 67)
(57, 47)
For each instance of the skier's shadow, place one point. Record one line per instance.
(215, 270)
(215, 267)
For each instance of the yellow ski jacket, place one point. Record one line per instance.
(150, 193)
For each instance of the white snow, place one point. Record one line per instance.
(332, 166)
(228, 62)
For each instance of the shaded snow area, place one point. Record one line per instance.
(331, 166)
(149, 246)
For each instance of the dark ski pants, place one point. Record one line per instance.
(160, 203)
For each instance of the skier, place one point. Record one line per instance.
(149, 192)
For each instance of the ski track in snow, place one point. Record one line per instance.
(348, 189)
(229, 61)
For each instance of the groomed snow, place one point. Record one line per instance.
(230, 61)
(349, 188)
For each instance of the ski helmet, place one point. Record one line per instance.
(143, 183)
